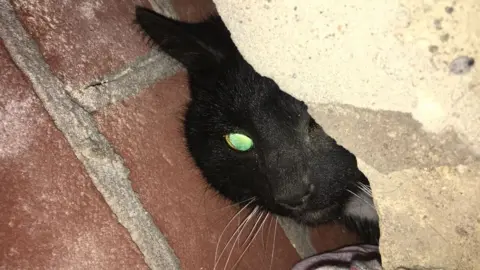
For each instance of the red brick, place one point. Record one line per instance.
(332, 236)
(83, 40)
(51, 217)
(193, 10)
(147, 131)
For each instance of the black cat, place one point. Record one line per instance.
(252, 141)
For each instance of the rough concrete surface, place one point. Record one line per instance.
(395, 82)
(441, 206)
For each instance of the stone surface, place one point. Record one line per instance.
(447, 222)
(52, 216)
(427, 185)
(401, 144)
(83, 40)
(147, 131)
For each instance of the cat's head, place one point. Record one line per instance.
(249, 138)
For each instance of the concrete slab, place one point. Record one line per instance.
(397, 84)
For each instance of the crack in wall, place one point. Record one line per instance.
(127, 82)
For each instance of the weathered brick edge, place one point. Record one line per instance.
(104, 166)
(299, 236)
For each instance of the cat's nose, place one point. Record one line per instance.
(295, 200)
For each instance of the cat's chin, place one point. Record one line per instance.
(317, 217)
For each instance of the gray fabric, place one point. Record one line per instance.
(362, 257)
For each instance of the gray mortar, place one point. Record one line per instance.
(126, 82)
(104, 166)
(299, 236)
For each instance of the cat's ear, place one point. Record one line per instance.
(196, 45)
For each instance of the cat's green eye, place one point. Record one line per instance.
(239, 142)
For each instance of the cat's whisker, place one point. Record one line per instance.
(253, 228)
(268, 232)
(230, 205)
(273, 242)
(269, 229)
(251, 241)
(233, 247)
(237, 231)
(360, 197)
(263, 238)
(365, 188)
(241, 231)
(226, 226)
(368, 190)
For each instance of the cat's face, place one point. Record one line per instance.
(250, 139)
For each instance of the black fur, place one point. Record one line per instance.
(294, 169)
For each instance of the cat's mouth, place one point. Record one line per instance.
(314, 217)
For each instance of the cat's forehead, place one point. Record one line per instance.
(257, 90)
(258, 104)
(265, 95)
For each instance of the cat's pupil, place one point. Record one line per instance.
(239, 142)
